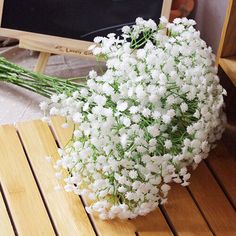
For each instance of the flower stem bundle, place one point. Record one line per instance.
(42, 84)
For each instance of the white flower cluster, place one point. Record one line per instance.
(155, 111)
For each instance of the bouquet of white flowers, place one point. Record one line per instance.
(156, 110)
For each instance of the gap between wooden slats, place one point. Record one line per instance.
(19, 187)
(222, 162)
(5, 222)
(66, 209)
(184, 214)
(153, 224)
(212, 202)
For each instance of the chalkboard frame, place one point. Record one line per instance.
(55, 44)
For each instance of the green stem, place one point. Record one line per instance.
(42, 84)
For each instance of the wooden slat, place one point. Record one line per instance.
(66, 209)
(154, 233)
(184, 214)
(24, 200)
(5, 223)
(223, 164)
(212, 202)
(152, 224)
(156, 223)
(113, 227)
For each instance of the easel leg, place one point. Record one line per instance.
(42, 62)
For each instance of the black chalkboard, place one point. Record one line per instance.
(76, 19)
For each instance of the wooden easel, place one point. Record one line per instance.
(42, 62)
(48, 45)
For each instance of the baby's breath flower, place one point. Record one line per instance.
(43, 106)
(168, 144)
(126, 29)
(155, 111)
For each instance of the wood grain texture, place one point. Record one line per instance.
(156, 222)
(223, 164)
(113, 227)
(184, 214)
(153, 224)
(213, 202)
(5, 223)
(24, 200)
(229, 66)
(66, 209)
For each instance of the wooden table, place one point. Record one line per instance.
(29, 204)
